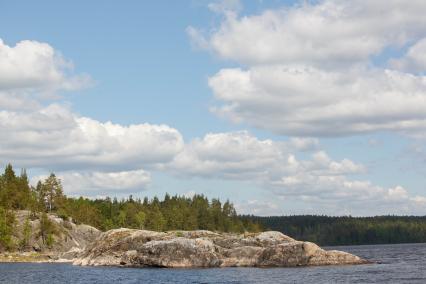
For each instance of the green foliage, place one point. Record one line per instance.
(15, 192)
(171, 213)
(26, 234)
(50, 193)
(348, 230)
(183, 213)
(155, 220)
(62, 214)
(50, 240)
(7, 226)
(140, 219)
(47, 230)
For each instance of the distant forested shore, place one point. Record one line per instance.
(346, 230)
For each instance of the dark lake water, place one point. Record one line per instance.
(402, 263)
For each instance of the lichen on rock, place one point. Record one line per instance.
(141, 248)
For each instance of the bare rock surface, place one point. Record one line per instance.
(69, 239)
(141, 248)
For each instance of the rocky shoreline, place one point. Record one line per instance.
(68, 241)
(87, 246)
(32, 257)
(185, 249)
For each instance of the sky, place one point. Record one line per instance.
(283, 107)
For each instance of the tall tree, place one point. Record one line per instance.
(53, 193)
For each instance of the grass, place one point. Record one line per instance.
(24, 257)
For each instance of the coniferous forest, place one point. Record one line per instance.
(171, 213)
(197, 212)
(347, 230)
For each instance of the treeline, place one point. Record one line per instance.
(325, 230)
(171, 213)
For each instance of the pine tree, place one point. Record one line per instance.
(26, 233)
(140, 219)
(47, 230)
(52, 192)
(7, 227)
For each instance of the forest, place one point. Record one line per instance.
(170, 213)
(191, 213)
(347, 230)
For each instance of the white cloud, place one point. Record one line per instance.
(97, 158)
(32, 66)
(197, 39)
(106, 182)
(414, 60)
(190, 194)
(329, 32)
(56, 138)
(16, 100)
(239, 155)
(107, 157)
(304, 144)
(338, 195)
(232, 155)
(309, 101)
(34, 132)
(319, 182)
(38, 133)
(258, 208)
(309, 68)
(102, 183)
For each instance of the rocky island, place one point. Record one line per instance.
(85, 245)
(52, 228)
(141, 248)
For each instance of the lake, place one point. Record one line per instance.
(401, 263)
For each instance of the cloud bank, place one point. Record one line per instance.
(327, 68)
(39, 129)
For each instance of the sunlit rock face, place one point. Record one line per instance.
(69, 239)
(141, 248)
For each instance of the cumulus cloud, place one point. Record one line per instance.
(100, 158)
(414, 60)
(102, 183)
(106, 183)
(38, 133)
(331, 32)
(32, 73)
(304, 144)
(339, 195)
(228, 155)
(309, 69)
(309, 101)
(318, 181)
(56, 137)
(89, 154)
(258, 208)
(240, 155)
(96, 157)
(32, 66)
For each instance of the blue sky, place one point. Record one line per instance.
(135, 52)
(227, 68)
